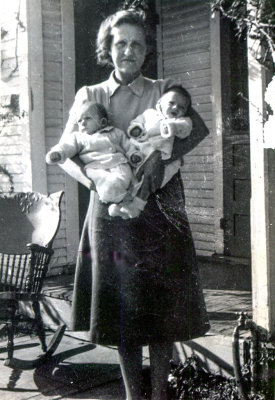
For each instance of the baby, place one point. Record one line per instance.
(153, 130)
(105, 151)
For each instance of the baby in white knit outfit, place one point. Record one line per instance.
(153, 130)
(106, 152)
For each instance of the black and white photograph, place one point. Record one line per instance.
(137, 200)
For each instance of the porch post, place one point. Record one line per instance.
(36, 96)
(262, 202)
(216, 78)
(269, 155)
(68, 70)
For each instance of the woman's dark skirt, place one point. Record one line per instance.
(137, 280)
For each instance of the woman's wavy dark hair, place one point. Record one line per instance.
(104, 37)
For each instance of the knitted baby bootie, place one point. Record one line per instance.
(114, 210)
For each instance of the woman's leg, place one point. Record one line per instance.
(130, 357)
(160, 356)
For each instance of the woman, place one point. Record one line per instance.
(136, 280)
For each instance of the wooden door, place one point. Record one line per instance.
(185, 55)
(236, 144)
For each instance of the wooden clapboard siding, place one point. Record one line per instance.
(184, 47)
(14, 145)
(43, 80)
(53, 103)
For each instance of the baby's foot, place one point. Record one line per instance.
(130, 210)
(114, 210)
(133, 208)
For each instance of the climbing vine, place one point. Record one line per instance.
(9, 110)
(137, 5)
(257, 18)
(9, 178)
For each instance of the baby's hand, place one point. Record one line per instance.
(136, 132)
(55, 156)
(135, 158)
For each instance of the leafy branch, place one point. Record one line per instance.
(5, 172)
(257, 18)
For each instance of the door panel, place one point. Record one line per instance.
(239, 241)
(236, 144)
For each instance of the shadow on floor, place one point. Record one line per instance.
(60, 376)
(68, 379)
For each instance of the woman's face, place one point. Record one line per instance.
(128, 51)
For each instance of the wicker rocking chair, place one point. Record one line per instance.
(29, 223)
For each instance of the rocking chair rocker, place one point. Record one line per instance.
(29, 223)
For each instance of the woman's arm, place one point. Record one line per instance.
(75, 168)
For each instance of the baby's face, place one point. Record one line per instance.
(173, 105)
(88, 123)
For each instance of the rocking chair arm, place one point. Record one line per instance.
(34, 248)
